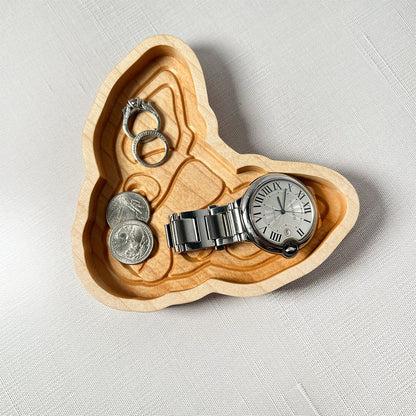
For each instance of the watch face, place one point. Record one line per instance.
(282, 209)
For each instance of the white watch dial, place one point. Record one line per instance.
(282, 210)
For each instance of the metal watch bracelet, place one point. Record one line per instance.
(204, 228)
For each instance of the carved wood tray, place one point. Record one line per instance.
(201, 170)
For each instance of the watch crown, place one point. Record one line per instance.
(290, 249)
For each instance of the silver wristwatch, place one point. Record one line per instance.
(277, 213)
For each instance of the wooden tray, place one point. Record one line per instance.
(201, 170)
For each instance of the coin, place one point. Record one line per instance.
(131, 242)
(127, 206)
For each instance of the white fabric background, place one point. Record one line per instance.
(328, 82)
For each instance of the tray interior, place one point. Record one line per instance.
(193, 177)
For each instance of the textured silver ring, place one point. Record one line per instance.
(146, 136)
(133, 107)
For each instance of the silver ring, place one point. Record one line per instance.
(151, 135)
(133, 107)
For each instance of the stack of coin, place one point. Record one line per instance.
(131, 239)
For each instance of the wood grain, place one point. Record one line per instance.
(201, 170)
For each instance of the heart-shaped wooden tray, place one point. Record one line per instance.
(201, 170)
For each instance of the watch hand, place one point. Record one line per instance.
(284, 200)
(290, 206)
(271, 207)
(281, 206)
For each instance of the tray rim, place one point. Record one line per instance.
(235, 159)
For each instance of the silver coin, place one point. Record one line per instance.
(127, 206)
(131, 242)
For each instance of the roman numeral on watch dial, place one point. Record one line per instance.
(258, 213)
(275, 236)
(259, 198)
